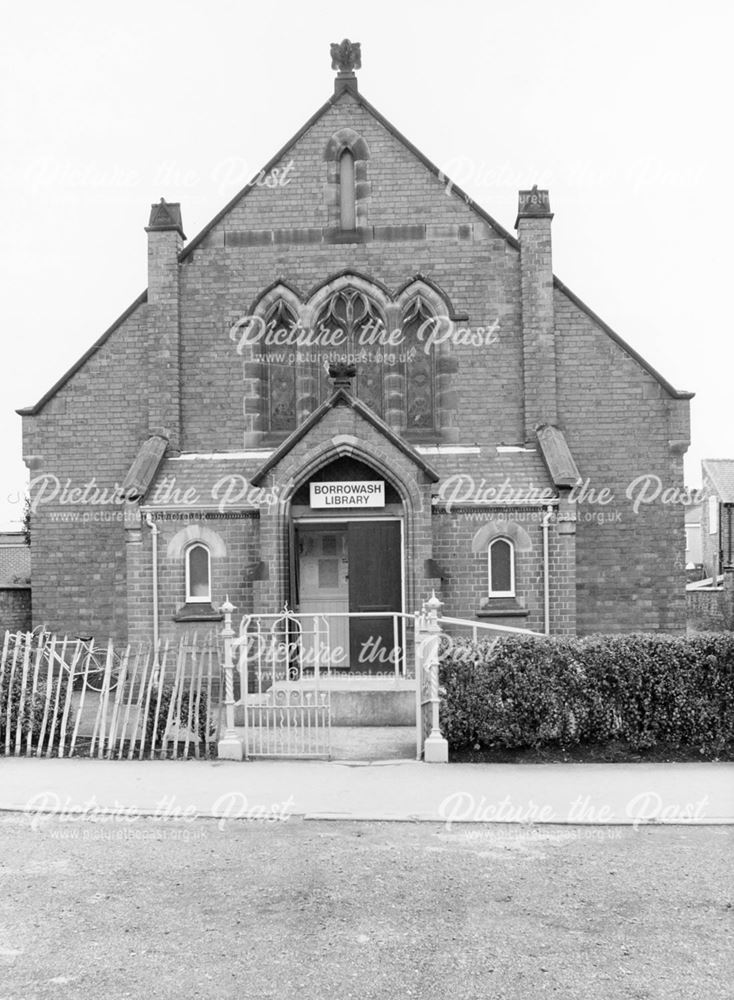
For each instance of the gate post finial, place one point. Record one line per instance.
(230, 747)
(435, 746)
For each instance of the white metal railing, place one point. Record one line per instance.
(485, 626)
(283, 662)
(337, 657)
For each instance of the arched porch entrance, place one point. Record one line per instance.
(347, 531)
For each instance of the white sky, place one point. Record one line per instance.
(622, 109)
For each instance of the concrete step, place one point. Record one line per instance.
(360, 743)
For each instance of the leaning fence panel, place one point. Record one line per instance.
(62, 697)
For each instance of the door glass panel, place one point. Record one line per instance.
(328, 574)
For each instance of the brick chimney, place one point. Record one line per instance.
(165, 240)
(538, 329)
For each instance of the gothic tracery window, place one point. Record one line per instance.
(279, 384)
(351, 327)
(392, 348)
(420, 373)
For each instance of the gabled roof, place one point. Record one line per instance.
(430, 166)
(363, 102)
(721, 473)
(342, 397)
(29, 411)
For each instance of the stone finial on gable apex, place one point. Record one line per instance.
(165, 216)
(346, 56)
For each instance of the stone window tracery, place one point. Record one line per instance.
(279, 395)
(402, 374)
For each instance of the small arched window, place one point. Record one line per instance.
(347, 199)
(501, 559)
(198, 574)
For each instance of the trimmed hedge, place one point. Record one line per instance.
(640, 690)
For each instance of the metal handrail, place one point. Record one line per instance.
(466, 623)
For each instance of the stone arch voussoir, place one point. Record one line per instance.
(501, 529)
(196, 533)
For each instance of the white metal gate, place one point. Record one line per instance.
(283, 666)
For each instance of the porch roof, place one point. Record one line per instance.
(498, 476)
(342, 397)
(205, 483)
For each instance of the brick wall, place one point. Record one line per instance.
(705, 610)
(89, 431)
(718, 544)
(15, 609)
(229, 574)
(618, 420)
(619, 423)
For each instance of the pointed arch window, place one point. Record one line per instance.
(350, 326)
(419, 366)
(198, 574)
(347, 191)
(501, 567)
(401, 371)
(279, 381)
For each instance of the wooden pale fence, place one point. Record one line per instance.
(66, 697)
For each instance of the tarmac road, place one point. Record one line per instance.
(133, 907)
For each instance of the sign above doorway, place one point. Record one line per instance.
(348, 494)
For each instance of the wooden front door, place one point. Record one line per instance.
(375, 584)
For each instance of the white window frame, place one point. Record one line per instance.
(713, 515)
(190, 599)
(501, 593)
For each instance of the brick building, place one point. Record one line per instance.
(483, 444)
(717, 516)
(15, 582)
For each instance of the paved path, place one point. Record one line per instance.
(395, 790)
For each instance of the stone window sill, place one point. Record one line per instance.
(198, 613)
(502, 607)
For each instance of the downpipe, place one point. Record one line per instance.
(149, 520)
(546, 571)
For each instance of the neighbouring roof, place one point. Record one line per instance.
(455, 190)
(721, 473)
